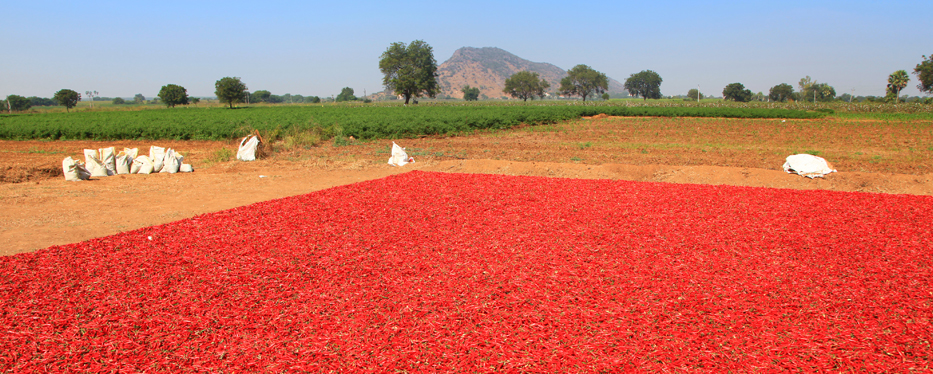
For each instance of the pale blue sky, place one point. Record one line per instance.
(121, 48)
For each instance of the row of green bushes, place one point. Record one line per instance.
(363, 122)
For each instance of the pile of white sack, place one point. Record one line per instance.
(105, 162)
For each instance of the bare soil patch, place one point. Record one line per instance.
(42, 209)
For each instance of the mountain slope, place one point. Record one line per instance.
(488, 68)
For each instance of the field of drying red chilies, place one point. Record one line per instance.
(439, 272)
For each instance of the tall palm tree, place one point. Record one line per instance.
(897, 81)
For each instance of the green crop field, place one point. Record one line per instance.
(360, 121)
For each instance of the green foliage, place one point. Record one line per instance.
(410, 71)
(118, 101)
(695, 94)
(67, 98)
(139, 99)
(346, 94)
(606, 96)
(645, 83)
(526, 85)
(811, 90)
(583, 81)
(230, 90)
(896, 82)
(173, 94)
(260, 96)
(313, 99)
(17, 103)
(470, 93)
(195, 100)
(924, 72)
(736, 92)
(781, 92)
(361, 122)
(41, 101)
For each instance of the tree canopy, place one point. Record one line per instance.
(526, 85)
(695, 94)
(173, 94)
(583, 81)
(346, 94)
(230, 90)
(811, 90)
(736, 92)
(896, 82)
(924, 72)
(470, 93)
(139, 99)
(17, 103)
(410, 71)
(260, 96)
(67, 98)
(781, 92)
(646, 84)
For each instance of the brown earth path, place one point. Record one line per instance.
(44, 210)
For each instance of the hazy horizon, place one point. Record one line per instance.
(120, 49)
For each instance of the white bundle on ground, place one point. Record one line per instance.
(185, 168)
(156, 156)
(809, 166)
(248, 147)
(142, 165)
(170, 162)
(93, 164)
(109, 159)
(74, 170)
(123, 163)
(399, 157)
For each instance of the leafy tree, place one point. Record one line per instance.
(924, 72)
(781, 92)
(896, 82)
(230, 90)
(41, 101)
(346, 94)
(526, 85)
(173, 94)
(118, 101)
(410, 71)
(470, 93)
(17, 103)
(67, 98)
(736, 92)
(312, 99)
(695, 94)
(260, 96)
(139, 99)
(583, 81)
(646, 84)
(606, 96)
(811, 90)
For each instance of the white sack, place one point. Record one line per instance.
(142, 165)
(74, 170)
(156, 156)
(809, 166)
(185, 168)
(399, 157)
(93, 164)
(169, 162)
(108, 158)
(248, 146)
(123, 163)
(131, 153)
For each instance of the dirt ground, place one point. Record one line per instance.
(41, 209)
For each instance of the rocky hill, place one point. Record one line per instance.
(488, 68)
